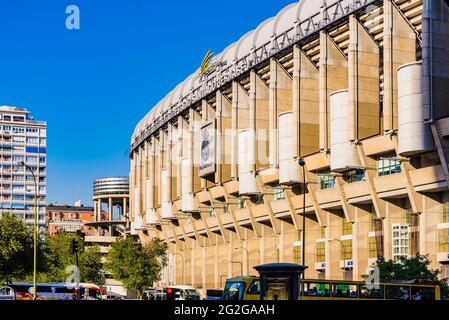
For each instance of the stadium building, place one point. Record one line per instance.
(359, 91)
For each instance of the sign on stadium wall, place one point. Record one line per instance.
(208, 149)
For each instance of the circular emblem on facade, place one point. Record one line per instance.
(205, 146)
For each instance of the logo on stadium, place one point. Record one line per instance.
(207, 65)
(205, 146)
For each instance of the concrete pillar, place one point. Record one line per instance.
(217, 283)
(204, 270)
(125, 209)
(364, 83)
(333, 77)
(360, 243)
(399, 48)
(110, 214)
(333, 248)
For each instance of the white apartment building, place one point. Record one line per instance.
(22, 139)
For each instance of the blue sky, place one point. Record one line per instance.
(93, 85)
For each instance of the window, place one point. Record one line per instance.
(7, 118)
(366, 292)
(18, 119)
(323, 232)
(241, 203)
(401, 241)
(326, 181)
(372, 247)
(18, 129)
(354, 176)
(234, 291)
(347, 228)
(446, 212)
(346, 250)
(279, 193)
(321, 251)
(18, 139)
(386, 167)
(32, 140)
(211, 212)
(254, 287)
(373, 222)
(297, 252)
(443, 240)
(257, 199)
(32, 130)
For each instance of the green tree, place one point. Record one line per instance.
(136, 266)
(58, 257)
(415, 268)
(91, 266)
(16, 248)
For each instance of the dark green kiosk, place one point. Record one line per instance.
(280, 281)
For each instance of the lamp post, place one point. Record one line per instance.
(302, 163)
(23, 164)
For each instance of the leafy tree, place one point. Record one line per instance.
(16, 248)
(136, 266)
(91, 266)
(415, 268)
(59, 256)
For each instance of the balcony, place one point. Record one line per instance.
(100, 239)
(329, 198)
(188, 229)
(270, 175)
(203, 196)
(430, 179)
(217, 192)
(212, 223)
(357, 192)
(243, 218)
(200, 226)
(232, 186)
(298, 203)
(279, 206)
(378, 145)
(226, 220)
(260, 213)
(392, 186)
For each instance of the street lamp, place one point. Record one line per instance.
(23, 164)
(302, 163)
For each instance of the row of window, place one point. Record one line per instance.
(384, 167)
(22, 129)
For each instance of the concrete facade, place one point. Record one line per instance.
(385, 202)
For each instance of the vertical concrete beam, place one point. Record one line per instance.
(234, 121)
(364, 85)
(360, 243)
(273, 112)
(280, 100)
(333, 76)
(259, 118)
(435, 33)
(296, 104)
(399, 48)
(333, 248)
(224, 137)
(306, 104)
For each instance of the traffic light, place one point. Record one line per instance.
(74, 246)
